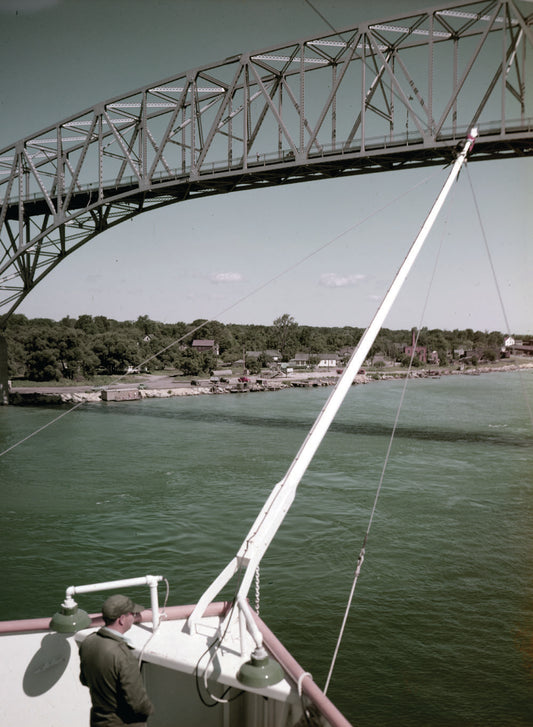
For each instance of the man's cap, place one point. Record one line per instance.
(116, 605)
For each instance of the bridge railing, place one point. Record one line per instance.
(374, 145)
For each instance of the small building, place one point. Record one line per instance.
(205, 344)
(327, 360)
(120, 394)
(524, 348)
(300, 360)
(420, 352)
(508, 343)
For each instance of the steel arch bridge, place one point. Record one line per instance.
(397, 93)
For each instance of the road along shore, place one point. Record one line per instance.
(159, 387)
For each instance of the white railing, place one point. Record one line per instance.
(150, 581)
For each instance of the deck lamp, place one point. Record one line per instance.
(260, 671)
(70, 619)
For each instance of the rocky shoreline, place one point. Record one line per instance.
(159, 387)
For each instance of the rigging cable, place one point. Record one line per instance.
(498, 290)
(362, 552)
(40, 429)
(324, 19)
(404, 389)
(245, 297)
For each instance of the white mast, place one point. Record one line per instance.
(276, 507)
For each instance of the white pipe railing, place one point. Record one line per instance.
(150, 581)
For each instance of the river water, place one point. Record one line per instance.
(441, 627)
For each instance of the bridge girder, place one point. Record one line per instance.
(381, 96)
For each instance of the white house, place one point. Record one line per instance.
(327, 360)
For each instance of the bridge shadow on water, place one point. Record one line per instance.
(220, 418)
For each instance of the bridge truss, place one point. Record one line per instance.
(380, 96)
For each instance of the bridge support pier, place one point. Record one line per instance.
(4, 383)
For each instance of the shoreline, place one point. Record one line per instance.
(153, 388)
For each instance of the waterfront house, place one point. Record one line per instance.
(205, 344)
(300, 360)
(327, 360)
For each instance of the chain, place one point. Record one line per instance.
(257, 590)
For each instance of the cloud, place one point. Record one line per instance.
(332, 280)
(225, 277)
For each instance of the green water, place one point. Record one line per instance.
(441, 628)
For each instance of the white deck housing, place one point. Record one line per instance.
(40, 687)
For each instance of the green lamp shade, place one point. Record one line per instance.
(69, 620)
(260, 672)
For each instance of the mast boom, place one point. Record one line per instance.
(278, 503)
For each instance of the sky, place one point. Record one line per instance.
(324, 252)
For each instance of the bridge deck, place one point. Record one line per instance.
(269, 170)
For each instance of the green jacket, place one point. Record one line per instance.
(110, 670)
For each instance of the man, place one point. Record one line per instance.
(110, 670)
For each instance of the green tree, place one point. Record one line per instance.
(317, 342)
(90, 363)
(116, 353)
(254, 366)
(44, 365)
(86, 324)
(285, 328)
(189, 363)
(147, 326)
(102, 324)
(16, 358)
(489, 354)
(194, 363)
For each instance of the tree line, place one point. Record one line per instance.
(41, 349)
